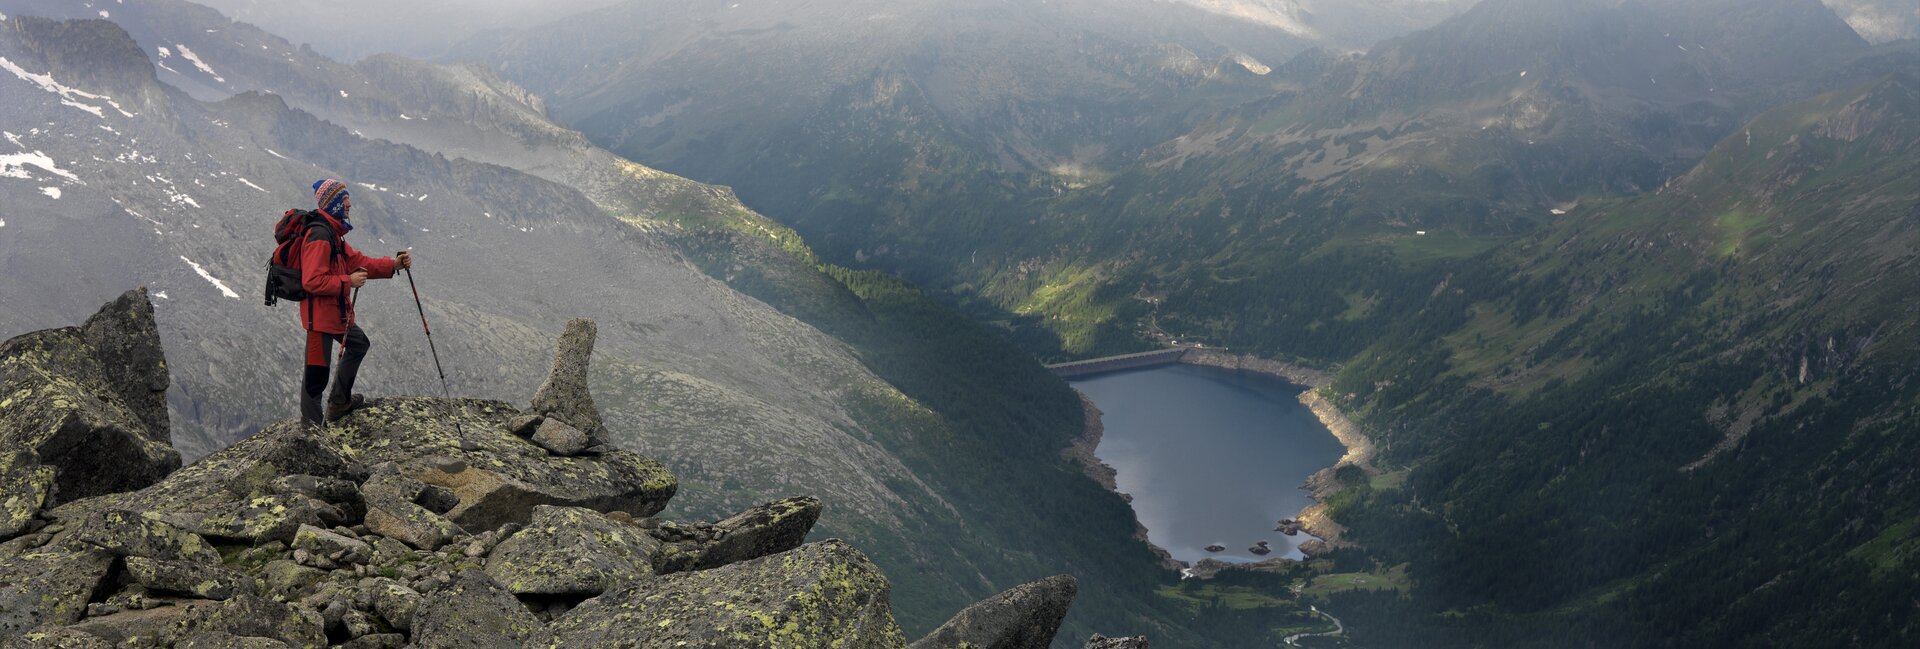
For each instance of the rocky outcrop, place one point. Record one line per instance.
(1024, 617)
(422, 522)
(476, 613)
(572, 551)
(498, 477)
(819, 595)
(774, 527)
(1103, 642)
(49, 586)
(88, 401)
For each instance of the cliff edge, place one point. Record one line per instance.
(412, 522)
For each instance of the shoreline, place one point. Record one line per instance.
(1081, 452)
(1360, 450)
(1321, 485)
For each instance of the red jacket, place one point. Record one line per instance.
(324, 275)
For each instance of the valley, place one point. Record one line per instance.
(1611, 303)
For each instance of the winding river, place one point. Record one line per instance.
(1210, 456)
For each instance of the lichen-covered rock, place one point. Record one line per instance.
(564, 396)
(475, 613)
(393, 601)
(559, 438)
(824, 594)
(393, 510)
(328, 543)
(571, 551)
(376, 641)
(1024, 617)
(504, 475)
(24, 488)
(774, 527)
(232, 494)
(254, 616)
(50, 585)
(124, 337)
(54, 638)
(195, 579)
(90, 400)
(127, 533)
(157, 626)
(1103, 642)
(224, 640)
(525, 425)
(286, 579)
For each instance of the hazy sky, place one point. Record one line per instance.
(353, 29)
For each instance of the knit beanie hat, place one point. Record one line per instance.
(331, 196)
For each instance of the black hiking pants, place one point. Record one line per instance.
(319, 359)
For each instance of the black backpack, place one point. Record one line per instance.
(291, 234)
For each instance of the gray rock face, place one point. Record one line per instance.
(1024, 617)
(775, 527)
(54, 638)
(186, 578)
(249, 615)
(571, 551)
(559, 438)
(392, 510)
(49, 586)
(90, 401)
(395, 602)
(564, 396)
(24, 488)
(126, 341)
(328, 543)
(237, 495)
(144, 535)
(475, 613)
(1103, 642)
(825, 594)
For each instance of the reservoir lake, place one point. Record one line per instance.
(1210, 456)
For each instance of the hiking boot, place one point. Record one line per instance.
(337, 410)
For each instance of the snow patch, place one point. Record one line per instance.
(14, 165)
(210, 278)
(249, 183)
(68, 96)
(104, 14)
(1252, 64)
(162, 295)
(3, 222)
(423, 198)
(182, 199)
(164, 52)
(195, 60)
(1559, 212)
(343, 94)
(276, 154)
(51, 192)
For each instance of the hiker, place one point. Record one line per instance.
(330, 273)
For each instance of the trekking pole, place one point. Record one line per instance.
(436, 353)
(351, 303)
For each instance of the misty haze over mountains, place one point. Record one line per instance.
(354, 29)
(1621, 291)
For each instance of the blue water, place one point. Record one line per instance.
(1210, 456)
